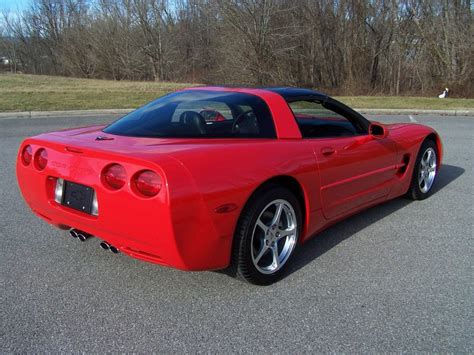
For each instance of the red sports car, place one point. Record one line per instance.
(165, 185)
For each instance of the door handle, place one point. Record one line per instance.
(328, 150)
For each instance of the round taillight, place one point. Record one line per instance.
(147, 183)
(27, 155)
(114, 176)
(41, 159)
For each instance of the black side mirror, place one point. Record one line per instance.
(377, 130)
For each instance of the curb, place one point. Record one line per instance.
(389, 111)
(85, 113)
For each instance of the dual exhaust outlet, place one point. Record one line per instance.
(83, 236)
(106, 246)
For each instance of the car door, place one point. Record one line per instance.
(355, 168)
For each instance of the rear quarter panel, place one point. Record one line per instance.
(228, 175)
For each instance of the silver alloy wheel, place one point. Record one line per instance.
(427, 171)
(274, 236)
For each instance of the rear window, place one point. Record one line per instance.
(198, 114)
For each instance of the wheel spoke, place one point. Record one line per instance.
(421, 180)
(277, 216)
(262, 252)
(276, 258)
(428, 157)
(262, 225)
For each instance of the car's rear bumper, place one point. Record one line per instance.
(115, 238)
(173, 232)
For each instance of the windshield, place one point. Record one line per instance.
(199, 114)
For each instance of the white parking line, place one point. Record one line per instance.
(411, 118)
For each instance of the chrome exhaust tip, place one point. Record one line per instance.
(104, 245)
(113, 249)
(83, 236)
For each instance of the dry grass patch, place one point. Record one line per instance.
(22, 92)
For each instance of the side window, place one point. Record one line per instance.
(316, 121)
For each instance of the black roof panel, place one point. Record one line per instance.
(290, 92)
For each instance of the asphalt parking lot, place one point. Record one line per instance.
(397, 277)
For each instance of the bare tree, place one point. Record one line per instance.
(344, 46)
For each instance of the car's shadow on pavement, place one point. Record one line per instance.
(331, 237)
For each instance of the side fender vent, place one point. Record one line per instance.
(404, 165)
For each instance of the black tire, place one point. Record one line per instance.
(415, 192)
(244, 244)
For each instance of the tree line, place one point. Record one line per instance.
(342, 46)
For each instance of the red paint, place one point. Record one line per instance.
(190, 221)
